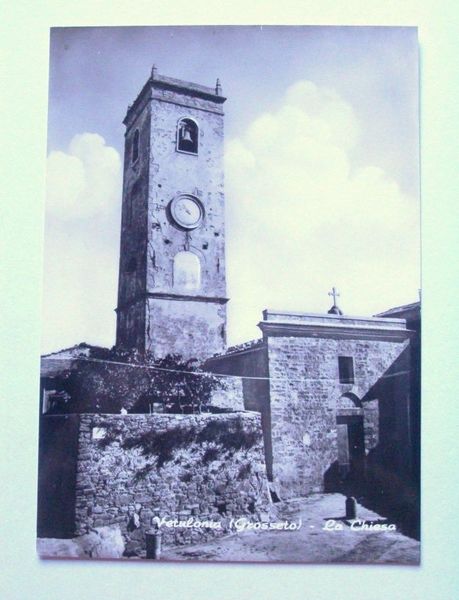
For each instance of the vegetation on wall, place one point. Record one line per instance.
(215, 439)
(181, 386)
(111, 380)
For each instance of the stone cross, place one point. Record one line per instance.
(335, 294)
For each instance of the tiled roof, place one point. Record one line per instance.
(82, 349)
(399, 309)
(252, 344)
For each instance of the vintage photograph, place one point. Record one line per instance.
(230, 363)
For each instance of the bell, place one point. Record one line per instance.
(186, 135)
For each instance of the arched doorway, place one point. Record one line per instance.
(350, 439)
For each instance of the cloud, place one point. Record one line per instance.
(84, 181)
(302, 217)
(81, 243)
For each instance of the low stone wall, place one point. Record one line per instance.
(133, 468)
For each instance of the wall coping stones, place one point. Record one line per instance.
(284, 323)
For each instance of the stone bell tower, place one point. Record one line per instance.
(172, 287)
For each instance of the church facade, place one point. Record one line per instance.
(334, 396)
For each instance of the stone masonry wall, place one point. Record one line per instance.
(173, 173)
(190, 328)
(306, 395)
(154, 313)
(134, 233)
(249, 361)
(132, 468)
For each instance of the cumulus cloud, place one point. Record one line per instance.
(84, 181)
(81, 243)
(303, 217)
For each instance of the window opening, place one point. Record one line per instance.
(135, 146)
(346, 369)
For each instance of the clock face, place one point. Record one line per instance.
(187, 212)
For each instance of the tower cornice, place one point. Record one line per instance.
(170, 296)
(186, 88)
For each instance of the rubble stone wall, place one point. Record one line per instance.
(132, 468)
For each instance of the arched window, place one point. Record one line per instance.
(135, 146)
(187, 136)
(132, 200)
(187, 271)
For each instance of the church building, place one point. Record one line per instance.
(335, 393)
(330, 388)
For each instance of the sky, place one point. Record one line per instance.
(321, 167)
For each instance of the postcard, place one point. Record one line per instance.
(231, 327)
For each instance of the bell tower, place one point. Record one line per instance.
(172, 286)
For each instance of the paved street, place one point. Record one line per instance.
(324, 537)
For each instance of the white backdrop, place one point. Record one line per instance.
(23, 90)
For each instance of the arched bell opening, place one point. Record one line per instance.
(187, 135)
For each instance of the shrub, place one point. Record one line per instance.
(119, 378)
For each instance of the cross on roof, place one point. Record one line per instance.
(334, 310)
(335, 294)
